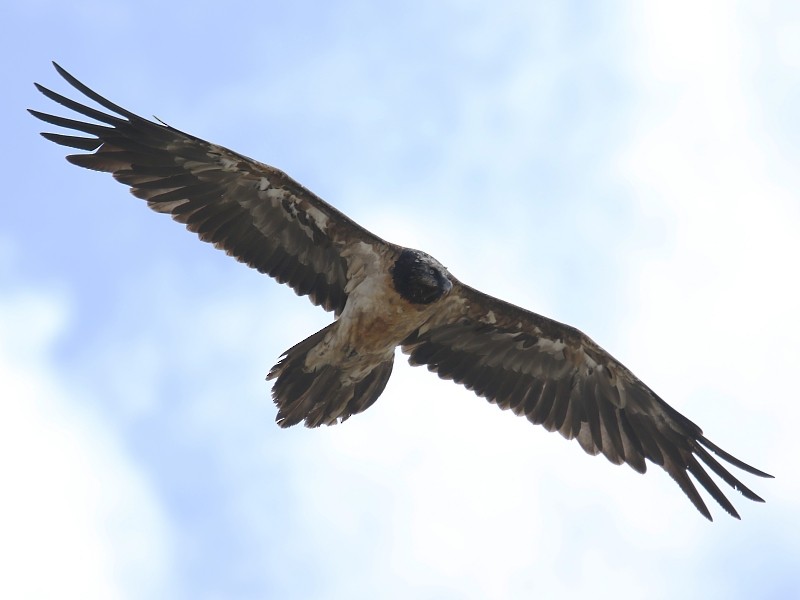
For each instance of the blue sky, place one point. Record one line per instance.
(629, 169)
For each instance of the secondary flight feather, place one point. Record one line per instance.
(384, 296)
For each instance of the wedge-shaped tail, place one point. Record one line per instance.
(325, 395)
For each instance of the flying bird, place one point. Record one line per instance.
(384, 296)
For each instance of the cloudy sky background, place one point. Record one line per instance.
(630, 170)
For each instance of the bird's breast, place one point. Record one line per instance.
(376, 318)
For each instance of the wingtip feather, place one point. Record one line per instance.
(732, 459)
(90, 93)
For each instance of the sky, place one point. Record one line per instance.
(628, 168)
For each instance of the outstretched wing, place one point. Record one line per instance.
(254, 212)
(557, 377)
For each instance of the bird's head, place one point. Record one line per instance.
(420, 278)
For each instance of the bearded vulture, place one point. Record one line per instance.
(385, 296)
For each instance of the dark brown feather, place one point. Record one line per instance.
(559, 378)
(252, 211)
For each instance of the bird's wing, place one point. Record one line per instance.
(558, 377)
(254, 212)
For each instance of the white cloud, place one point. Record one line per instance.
(719, 296)
(78, 519)
(715, 293)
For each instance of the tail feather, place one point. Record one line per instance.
(326, 395)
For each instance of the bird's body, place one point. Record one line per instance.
(385, 296)
(343, 369)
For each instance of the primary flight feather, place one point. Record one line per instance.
(385, 296)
